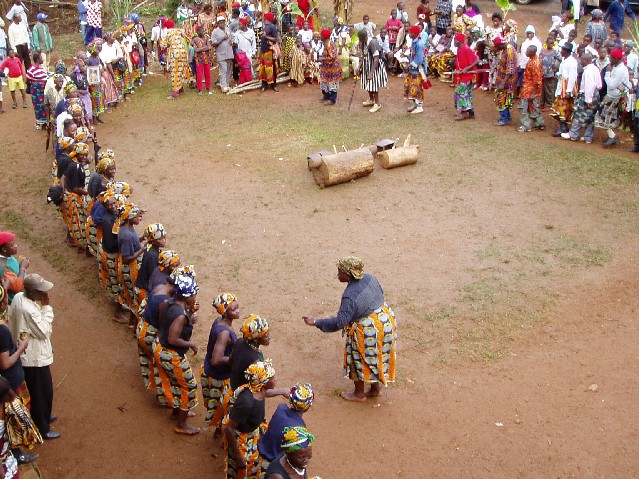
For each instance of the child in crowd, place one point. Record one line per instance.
(550, 61)
(244, 65)
(12, 66)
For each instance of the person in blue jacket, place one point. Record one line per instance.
(82, 18)
(616, 12)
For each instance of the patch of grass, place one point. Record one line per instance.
(67, 46)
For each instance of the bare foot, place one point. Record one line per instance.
(373, 393)
(118, 318)
(187, 429)
(351, 396)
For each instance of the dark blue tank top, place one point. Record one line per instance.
(224, 371)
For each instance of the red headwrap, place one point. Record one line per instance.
(269, 16)
(415, 30)
(169, 23)
(235, 5)
(461, 38)
(498, 41)
(326, 34)
(6, 236)
(245, 21)
(617, 54)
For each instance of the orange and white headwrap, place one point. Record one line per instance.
(66, 142)
(82, 134)
(258, 374)
(79, 149)
(254, 327)
(104, 164)
(168, 259)
(223, 302)
(154, 231)
(74, 109)
(127, 212)
(119, 188)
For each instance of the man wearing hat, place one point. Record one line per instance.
(245, 38)
(617, 82)
(31, 317)
(567, 89)
(465, 60)
(42, 40)
(221, 41)
(413, 87)
(12, 272)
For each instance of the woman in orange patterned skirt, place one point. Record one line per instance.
(370, 329)
(177, 58)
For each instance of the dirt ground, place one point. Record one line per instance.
(510, 260)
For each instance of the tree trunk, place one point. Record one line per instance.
(343, 167)
(401, 156)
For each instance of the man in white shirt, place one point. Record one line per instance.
(31, 317)
(564, 104)
(617, 82)
(18, 8)
(367, 25)
(19, 40)
(244, 37)
(587, 101)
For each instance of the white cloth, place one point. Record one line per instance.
(246, 42)
(306, 35)
(632, 62)
(20, 10)
(369, 27)
(567, 71)
(18, 35)
(617, 81)
(30, 317)
(590, 82)
(156, 33)
(59, 124)
(317, 48)
(383, 44)
(522, 59)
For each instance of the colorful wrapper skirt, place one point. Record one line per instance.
(504, 100)
(108, 270)
(267, 67)
(93, 234)
(183, 387)
(370, 354)
(563, 109)
(111, 94)
(152, 374)
(37, 98)
(609, 114)
(127, 275)
(128, 81)
(440, 63)
(247, 443)
(97, 99)
(119, 82)
(74, 212)
(216, 394)
(464, 96)
(413, 89)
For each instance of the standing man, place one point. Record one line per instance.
(367, 25)
(616, 12)
(564, 104)
(31, 317)
(94, 21)
(245, 38)
(617, 82)
(82, 17)
(587, 101)
(505, 79)
(465, 60)
(19, 41)
(530, 93)
(221, 41)
(42, 41)
(413, 86)
(443, 10)
(374, 76)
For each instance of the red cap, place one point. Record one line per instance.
(461, 38)
(617, 54)
(415, 30)
(235, 5)
(498, 41)
(169, 23)
(326, 34)
(6, 236)
(269, 16)
(244, 21)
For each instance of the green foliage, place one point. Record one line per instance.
(171, 7)
(505, 6)
(633, 29)
(120, 9)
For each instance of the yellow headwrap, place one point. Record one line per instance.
(223, 302)
(154, 231)
(127, 212)
(168, 259)
(254, 327)
(104, 164)
(258, 374)
(82, 134)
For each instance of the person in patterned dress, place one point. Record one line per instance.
(174, 40)
(505, 79)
